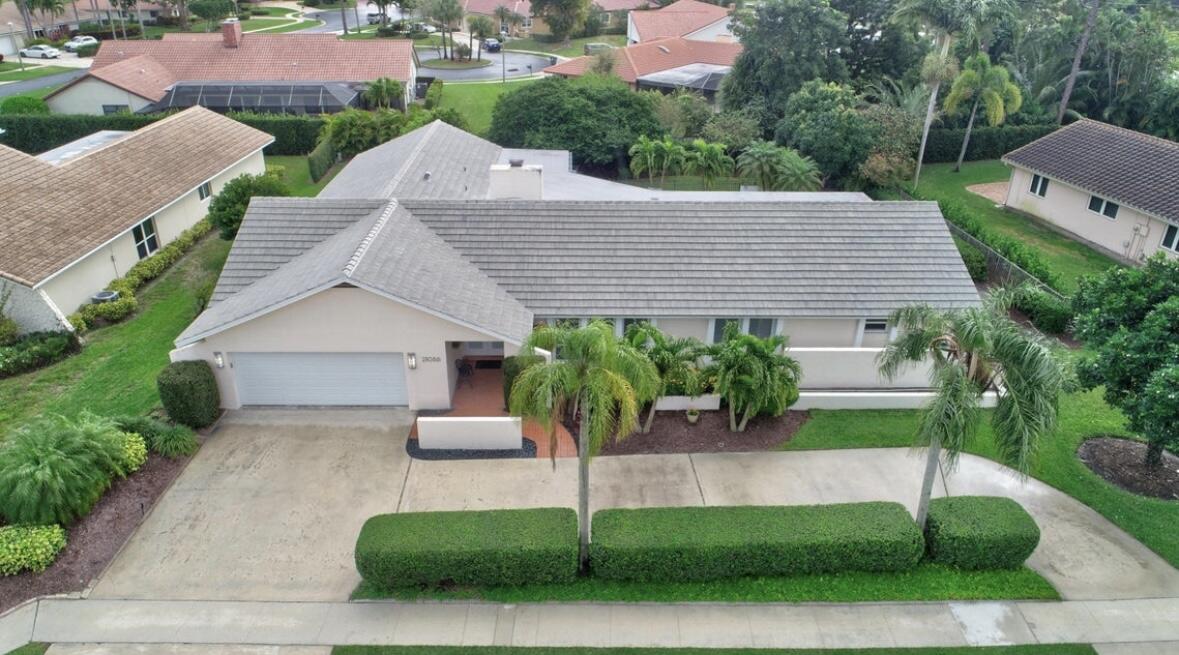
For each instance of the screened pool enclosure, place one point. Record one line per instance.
(265, 97)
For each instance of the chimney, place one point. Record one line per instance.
(231, 33)
(516, 181)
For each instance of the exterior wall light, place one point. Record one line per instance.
(219, 360)
(411, 359)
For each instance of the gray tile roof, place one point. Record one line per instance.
(817, 259)
(1128, 167)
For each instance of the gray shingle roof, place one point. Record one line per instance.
(817, 259)
(1128, 167)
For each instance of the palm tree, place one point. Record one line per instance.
(644, 158)
(676, 360)
(797, 172)
(709, 161)
(986, 84)
(480, 28)
(972, 352)
(754, 375)
(909, 98)
(504, 15)
(605, 378)
(945, 19)
(383, 92)
(779, 169)
(671, 157)
(1090, 23)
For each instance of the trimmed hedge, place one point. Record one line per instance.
(321, 160)
(1047, 312)
(293, 135)
(985, 142)
(495, 548)
(189, 393)
(980, 532)
(35, 350)
(29, 547)
(975, 260)
(710, 543)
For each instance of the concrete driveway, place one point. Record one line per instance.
(268, 510)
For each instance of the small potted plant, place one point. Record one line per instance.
(693, 415)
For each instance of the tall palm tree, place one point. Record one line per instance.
(972, 352)
(447, 13)
(671, 158)
(1082, 46)
(644, 158)
(709, 161)
(503, 14)
(480, 28)
(945, 20)
(676, 359)
(989, 85)
(605, 378)
(754, 375)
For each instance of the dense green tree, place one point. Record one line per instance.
(676, 359)
(985, 84)
(754, 375)
(877, 46)
(384, 93)
(822, 121)
(564, 17)
(708, 160)
(683, 113)
(786, 43)
(228, 207)
(595, 117)
(1129, 318)
(735, 129)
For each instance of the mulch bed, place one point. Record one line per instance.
(671, 433)
(527, 451)
(1121, 462)
(95, 540)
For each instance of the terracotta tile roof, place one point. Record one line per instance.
(487, 7)
(57, 214)
(147, 68)
(677, 19)
(622, 5)
(1128, 167)
(635, 61)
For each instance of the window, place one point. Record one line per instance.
(115, 109)
(205, 190)
(146, 241)
(718, 328)
(761, 327)
(605, 18)
(627, 322)
(1039, 185)
(527, 24)
(1104, 207)
(1171, 238)
(875, 325)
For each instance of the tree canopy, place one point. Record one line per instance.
(823, 122)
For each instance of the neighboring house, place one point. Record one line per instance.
(428, 249)
(663, 64)
(280, 73)
(487, 8)
(614, 12)
(45, 24)
(1113, 188)
(79, 216)
(691, 19)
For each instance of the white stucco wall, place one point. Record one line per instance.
(684, 328)
(820, 332)
(73, 286)
(346, 320)
(1067, 207)
(31, 309)
(89, 95)
(852, 368)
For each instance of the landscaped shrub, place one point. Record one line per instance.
(171, 441)
(975, 260)
(710, 543)
(1049, 313)
(434, 94)
(23, 105)
(134, 452)
(499, 547)
(9, 331)
(980, 532)
(986, 142)
(189, 393)
(29, 547)
(87, 50)
(321, 160)
(229, 206)
(53, 470)
(35, 350)
(513, 366)
(110, 312)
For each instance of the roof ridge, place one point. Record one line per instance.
(1131, 133)
(368, 239)
(387, 190)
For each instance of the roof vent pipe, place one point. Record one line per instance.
(516, 163)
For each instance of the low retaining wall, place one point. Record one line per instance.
(870, 400)
(470, 432)
(705, 403)
(852, 368)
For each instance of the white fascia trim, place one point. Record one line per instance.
(437, 314)
(1091, 192)
(179, 343)
(151, 214)
(65, 322)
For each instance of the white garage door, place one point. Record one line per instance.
(320, 378)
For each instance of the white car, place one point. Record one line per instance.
(79, 42)
(41, 52)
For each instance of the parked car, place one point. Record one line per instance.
(373, 13)
(41, 52)
(595, 48)
(79, 41)
(492, 45)
(424, 27)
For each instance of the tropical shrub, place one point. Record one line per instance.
(9, 331)
(434, 94)
(674, 544)
(189, 393)
(512, 367)
(321, 160)
(35, 350)
(754, 375)
(974, 259)
(134, 452)
(980, 532)
(498, 547)
(110, 312)
(171, 441)
(229, 206)
(1048, 312)
(23, 105)
(29, 547)
(53, 470)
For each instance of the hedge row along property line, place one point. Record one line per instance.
(293, 135)
(985, 142)
(674, 544)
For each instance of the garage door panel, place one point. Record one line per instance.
(320, 378)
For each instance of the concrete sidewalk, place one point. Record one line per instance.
(65, 621)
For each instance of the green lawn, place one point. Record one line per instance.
(30, 649)
(258, 10)
(35, 93)
(1053, 649)
(1152, 521)
(31, 71)
(277, 25)
(1070, 259)
(476, 101)
(576, 47)
(926, 582)
(116, 371)
(297, 175)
